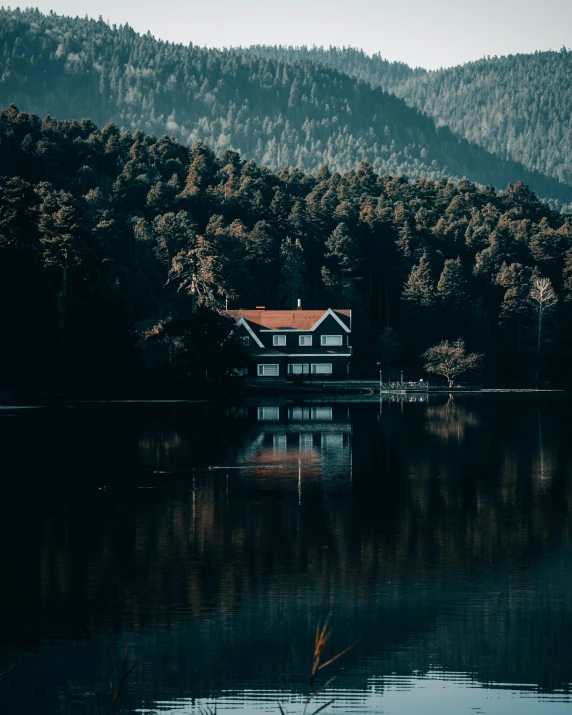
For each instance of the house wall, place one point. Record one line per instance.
(339, 366)
(307, 355)
(328, 327)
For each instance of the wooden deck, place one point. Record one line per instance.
(276, 383)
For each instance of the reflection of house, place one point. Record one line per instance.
(285, 343)
(318, 413)
(299, 442)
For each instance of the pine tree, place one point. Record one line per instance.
(173, 233)
(342, 272)
(419, 288)
(294, 284)
(202, 169)
(516, 279)
(567, 275)
(62, 243)
(452, 285)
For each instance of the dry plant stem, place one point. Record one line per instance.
(322, 707)
(320, 642)
(123, 673)
(120, 685)
(311, 696)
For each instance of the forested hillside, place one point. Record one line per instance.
(518, 107)
(109, 239)
(373, 69)
(297, 114)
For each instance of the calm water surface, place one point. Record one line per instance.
(213, 539)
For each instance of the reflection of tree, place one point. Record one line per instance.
(545, 461)
(451, 420)
(193, 574)
(210, 551)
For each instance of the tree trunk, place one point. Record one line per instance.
(538, 343)
(61, 303)
(387, 313)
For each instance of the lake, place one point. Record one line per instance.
(434, 534)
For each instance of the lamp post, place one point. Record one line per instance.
(380, 377)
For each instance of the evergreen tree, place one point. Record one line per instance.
(419, 288)
(567, 275)
(94, 257)
(294, 284)
(173, 233)
(452, 285)
(342, 273)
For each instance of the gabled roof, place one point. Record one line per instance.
(291, 319)
(257, 340)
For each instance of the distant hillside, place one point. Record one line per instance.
(374, 69)
(519, 107)
(280, 113)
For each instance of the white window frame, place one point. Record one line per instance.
(320, 365)
(278, 340)
(305, 368)
(261, 369)
(305, 340)
(331, 340)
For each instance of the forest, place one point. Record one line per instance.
(118, 250)
(272, 108)
(517, 107)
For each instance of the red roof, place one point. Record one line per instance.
(286, 319)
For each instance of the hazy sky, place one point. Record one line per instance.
(429, 33)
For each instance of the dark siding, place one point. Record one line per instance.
(308, 355)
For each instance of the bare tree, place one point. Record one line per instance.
(543, 296)
(450, 360)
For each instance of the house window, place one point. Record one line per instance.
(321, 368)
(278, 340)
(305, 340)
(267, 370)
(245, 340)
(301, 369)
(332, 340)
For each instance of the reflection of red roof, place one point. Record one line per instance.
(294, 457)
(286, 319)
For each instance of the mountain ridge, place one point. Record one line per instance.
(521, 122)
(276, 113)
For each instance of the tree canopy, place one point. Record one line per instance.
(107, 235)
(451, 360)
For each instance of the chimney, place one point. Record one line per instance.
(299, 303)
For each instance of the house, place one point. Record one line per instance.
(285, 343)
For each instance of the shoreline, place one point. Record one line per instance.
(332, 393)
